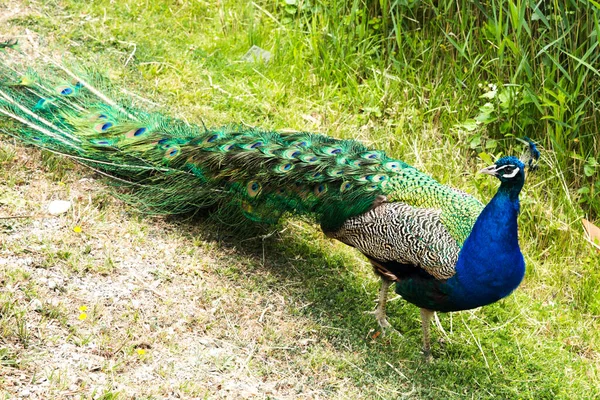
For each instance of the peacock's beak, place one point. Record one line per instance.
(491, 170)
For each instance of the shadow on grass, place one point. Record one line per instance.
(338, 290)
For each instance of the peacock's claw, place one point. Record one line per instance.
(382, 321)
(427, 357)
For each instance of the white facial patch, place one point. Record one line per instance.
(514, 173)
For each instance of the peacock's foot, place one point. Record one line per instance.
(382, 320)
(427, 357)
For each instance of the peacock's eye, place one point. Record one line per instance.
(510, 171)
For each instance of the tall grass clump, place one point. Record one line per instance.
(481, 70)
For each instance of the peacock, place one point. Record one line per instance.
(444, 250)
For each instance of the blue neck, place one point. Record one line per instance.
(490, 265)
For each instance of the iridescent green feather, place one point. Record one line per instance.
(173, 167)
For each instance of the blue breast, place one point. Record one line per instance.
(490, 265)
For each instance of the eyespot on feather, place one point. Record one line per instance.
(140, 131)
(284, 168)
(290, 153)
(364, 178)
(307, 158)
(392, 165)
(371, 155)
(298, 143)
(345, 186)
(226, 147)
(253, 188)
(211, 138)
(64, 90)
(376, 178)
(320, 189)
(332, 150)
(172, 152)
(136, 132)
(335, 172)
(102, 142)
(103, 126)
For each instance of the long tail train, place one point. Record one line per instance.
(175, 167)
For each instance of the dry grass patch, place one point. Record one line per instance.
(96, 301)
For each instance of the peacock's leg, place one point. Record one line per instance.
(426, 316)
(381, 303)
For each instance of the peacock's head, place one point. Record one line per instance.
(507, 169)
(512, 169)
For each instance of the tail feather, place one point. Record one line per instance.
(170, 166)
(176, 167)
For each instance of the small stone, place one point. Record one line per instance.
(58, 207)
(25, 393)
(52, 284)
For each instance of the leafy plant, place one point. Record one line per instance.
(540, 57)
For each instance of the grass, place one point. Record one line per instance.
(184, 307)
